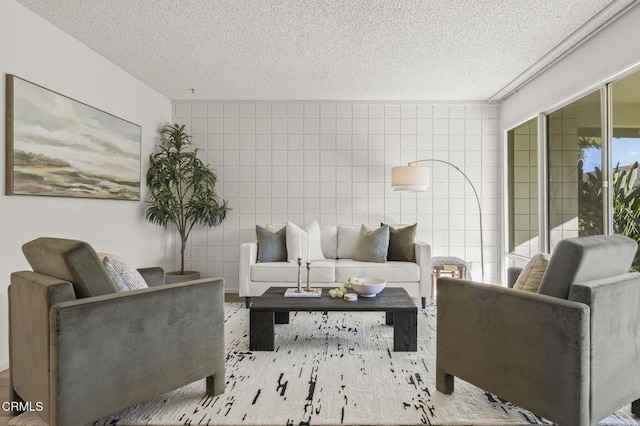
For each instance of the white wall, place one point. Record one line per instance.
(37, 51)
(595, 62)
(331, 162)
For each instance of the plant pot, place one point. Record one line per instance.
(177, 277)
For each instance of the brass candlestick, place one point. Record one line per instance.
(308, 275)
(299, 290)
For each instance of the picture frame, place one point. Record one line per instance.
(58, 146)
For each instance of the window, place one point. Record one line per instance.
(575, 170)
(591, 174)
(523, 188)
(625, 155)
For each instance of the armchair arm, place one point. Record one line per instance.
(423, 259)
(248, 256)
(527, 348)
(31, 295)
(615, 333)
(154, 275)
(113, 351)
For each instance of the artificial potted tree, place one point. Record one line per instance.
(182, 191)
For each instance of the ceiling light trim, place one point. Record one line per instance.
(593, 26)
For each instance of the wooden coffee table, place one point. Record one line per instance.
(273, 308)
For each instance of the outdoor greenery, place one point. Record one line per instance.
(626, 203)
(182, 187)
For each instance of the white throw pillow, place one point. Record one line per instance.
(122, 273)
(347, 240)
(304, 243)
(531, 275)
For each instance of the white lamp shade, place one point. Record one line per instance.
(410, 178)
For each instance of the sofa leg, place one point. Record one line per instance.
(247, 302)
(635, 407)
(444, 382)
(424, 302)
(215, 385)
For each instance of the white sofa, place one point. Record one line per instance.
(256, 277)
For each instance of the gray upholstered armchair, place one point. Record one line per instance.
(85, 351)
(569, 353)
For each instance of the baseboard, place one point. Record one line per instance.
(4, 364)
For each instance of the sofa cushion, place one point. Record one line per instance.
(531, 276)
(122, 273)
(322, 271)
(373, 244)
(388, 271)
(272, 246)
(70, 260)
(329, 240)
(347, 240)
(305, 243)
(583, 259)
(402, 241)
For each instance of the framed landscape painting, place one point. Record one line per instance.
(57, 146)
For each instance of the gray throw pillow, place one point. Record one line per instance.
(401, 243)
(372, 245)
(272, 246)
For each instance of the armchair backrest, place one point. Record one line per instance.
(70, 260)
(584, 259)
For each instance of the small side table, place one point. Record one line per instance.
(446, 266)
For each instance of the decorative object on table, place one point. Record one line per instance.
(341, 291)
(351, 297)
(292, 292)
(415, 178)
(299, 275)
(58, 146)
(367, 287)
(447, 266)
(182, 189)
(303, 292)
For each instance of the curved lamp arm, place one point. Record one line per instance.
(421, 186)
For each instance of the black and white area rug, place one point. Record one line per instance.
(328, 369)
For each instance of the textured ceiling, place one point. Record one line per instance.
(327, 50)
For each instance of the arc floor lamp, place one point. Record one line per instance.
(415, 178)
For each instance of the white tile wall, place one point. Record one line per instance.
(305, 161)
(525, 189)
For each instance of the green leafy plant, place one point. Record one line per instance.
(626, 204)
(182, 187)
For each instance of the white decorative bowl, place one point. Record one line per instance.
(369, 287)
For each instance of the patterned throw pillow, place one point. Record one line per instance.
(122, 273)
(272, 246)
(531, 275)
(372, 245)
